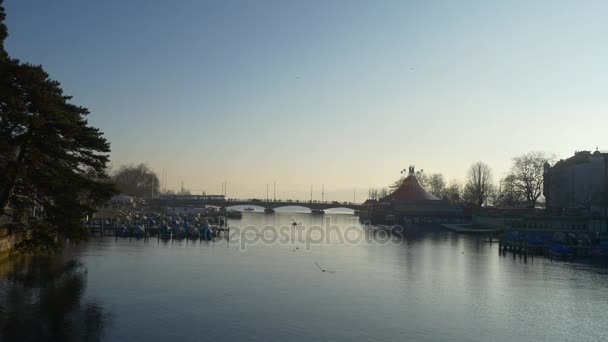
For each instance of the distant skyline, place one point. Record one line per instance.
(341, 93)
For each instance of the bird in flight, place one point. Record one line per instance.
(322, 269)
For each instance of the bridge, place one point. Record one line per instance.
(200, 201)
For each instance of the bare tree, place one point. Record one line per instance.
(479, 184)
(383, 193)
(422, 177)
(436, 184)
(507, 194)
(453, 191)
(373, 194)
(137, 180)
(527, 172)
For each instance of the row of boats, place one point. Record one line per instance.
(165, 231)
(175, 226)
(562, 244)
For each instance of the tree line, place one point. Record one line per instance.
(521, 187)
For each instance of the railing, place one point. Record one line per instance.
(255, 200)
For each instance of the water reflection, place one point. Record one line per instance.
(428, 286)
(42, 299)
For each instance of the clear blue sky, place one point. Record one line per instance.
(341, 93)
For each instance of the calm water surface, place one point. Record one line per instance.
(428, 287)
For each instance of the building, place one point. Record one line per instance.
(579, 182)
(410, 201)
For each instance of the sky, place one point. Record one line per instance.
(343, 94)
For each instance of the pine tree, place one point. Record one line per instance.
(49, 156)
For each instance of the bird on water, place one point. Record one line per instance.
(323, 269)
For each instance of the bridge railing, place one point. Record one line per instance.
(253, 201)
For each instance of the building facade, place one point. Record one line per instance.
(579, 182)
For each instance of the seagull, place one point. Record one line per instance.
(322, 269)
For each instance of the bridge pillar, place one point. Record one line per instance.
(269, 210)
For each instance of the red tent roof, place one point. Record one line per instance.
(410, 190)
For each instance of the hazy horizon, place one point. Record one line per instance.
(339, 93)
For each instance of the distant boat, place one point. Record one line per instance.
(193, 232)
(124, 232)
(165, 232)
(180, 233)
(233, 214)
(138, 231)
(206, 232)
(248, 209)
(558, 250)
(294, 223)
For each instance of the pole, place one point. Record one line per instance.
(322, 192)
(354, 194)
(266, 192)
(275, 191)
(310, 193)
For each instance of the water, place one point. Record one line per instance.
(429, 287)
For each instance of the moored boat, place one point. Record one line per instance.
(180, 233)
(165, 232)
(124, 232)
(206, 232)
(138, 231)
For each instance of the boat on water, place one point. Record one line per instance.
(559, 250)
(248, 209)
(165, 232)
(153, 230)
(233, 214)
(123, 232)
(192, 232)
(206, 232)
(138, 231)
(180, 233)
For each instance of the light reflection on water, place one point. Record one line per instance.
(428, 287)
